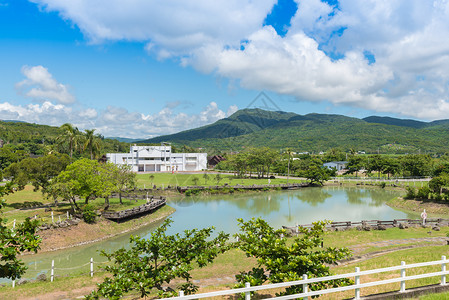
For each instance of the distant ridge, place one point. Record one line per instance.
(315, 132)
(396, 122)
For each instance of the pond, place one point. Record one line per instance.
(279, 208)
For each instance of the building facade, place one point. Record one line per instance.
(159, 159)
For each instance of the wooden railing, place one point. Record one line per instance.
(402, 278)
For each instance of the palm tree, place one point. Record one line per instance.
(70, 135)
(92, 142)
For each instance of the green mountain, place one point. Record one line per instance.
(314, 133)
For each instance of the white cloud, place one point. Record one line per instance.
(171, 27)
(321, 58)
(113, 121)
(40, 85)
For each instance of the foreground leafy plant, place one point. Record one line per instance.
(15, 241)
(281, 261)
(152, 262)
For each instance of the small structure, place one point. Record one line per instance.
(212, 161)
(337, 165)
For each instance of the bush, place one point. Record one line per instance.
(89, 214)
(411, 193)
(423, 192)
(383, 184)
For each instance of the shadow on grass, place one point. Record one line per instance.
(26, 204)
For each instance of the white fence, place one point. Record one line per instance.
(53, 270)
(355, 275)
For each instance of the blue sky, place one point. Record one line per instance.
(158, 67)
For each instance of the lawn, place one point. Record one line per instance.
(234, 261)
(179, 179)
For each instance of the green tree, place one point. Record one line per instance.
(84, 178)
(92, 142)
(195, 180)
(279, 260)
(315, 172)
(14, 242)
(69, 135)
(206, 177)
(158, 260)
(218, 178)
(37, 171)
(123, 178)
(437, 183)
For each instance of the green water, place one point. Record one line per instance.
(278, 208)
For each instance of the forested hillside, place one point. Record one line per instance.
(315, 133)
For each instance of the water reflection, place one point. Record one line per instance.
(278, 208)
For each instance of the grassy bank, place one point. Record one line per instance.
(220, 274)
(433, 209)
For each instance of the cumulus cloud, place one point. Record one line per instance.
(170, 27)
(40, 85)
(113, 121)
(322, 57)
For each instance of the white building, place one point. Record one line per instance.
(159, 159)
(337, 165)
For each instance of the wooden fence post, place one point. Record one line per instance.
(402, 276)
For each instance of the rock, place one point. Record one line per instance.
(381, 227)
(436, 228)
(359, 228)
(22, 281)
(41, 277)
(403, 225)
(367, 228)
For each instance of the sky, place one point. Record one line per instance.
(143, 68)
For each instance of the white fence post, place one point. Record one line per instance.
(443, 269)
(14, 224)
(181, 293)
(52, 271)
(402, 276)
(247, 294)
(305, 287)
(91, 267)
(52, 219)
(357, 282)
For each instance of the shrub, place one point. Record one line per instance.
(423, 192)
(89, 214)
(411, 193)
(383, 184)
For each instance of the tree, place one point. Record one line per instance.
(206, 177)
(92, 142)
(123, 178)
(70, 135)
(195, 180)
(155, 261)
(84, 178)
(437, 183)
(316, 173)
(218, 178)
(14, 242)
(37, 171)
(279, 260)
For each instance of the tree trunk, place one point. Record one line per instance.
(106, 203)
(120, 197)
